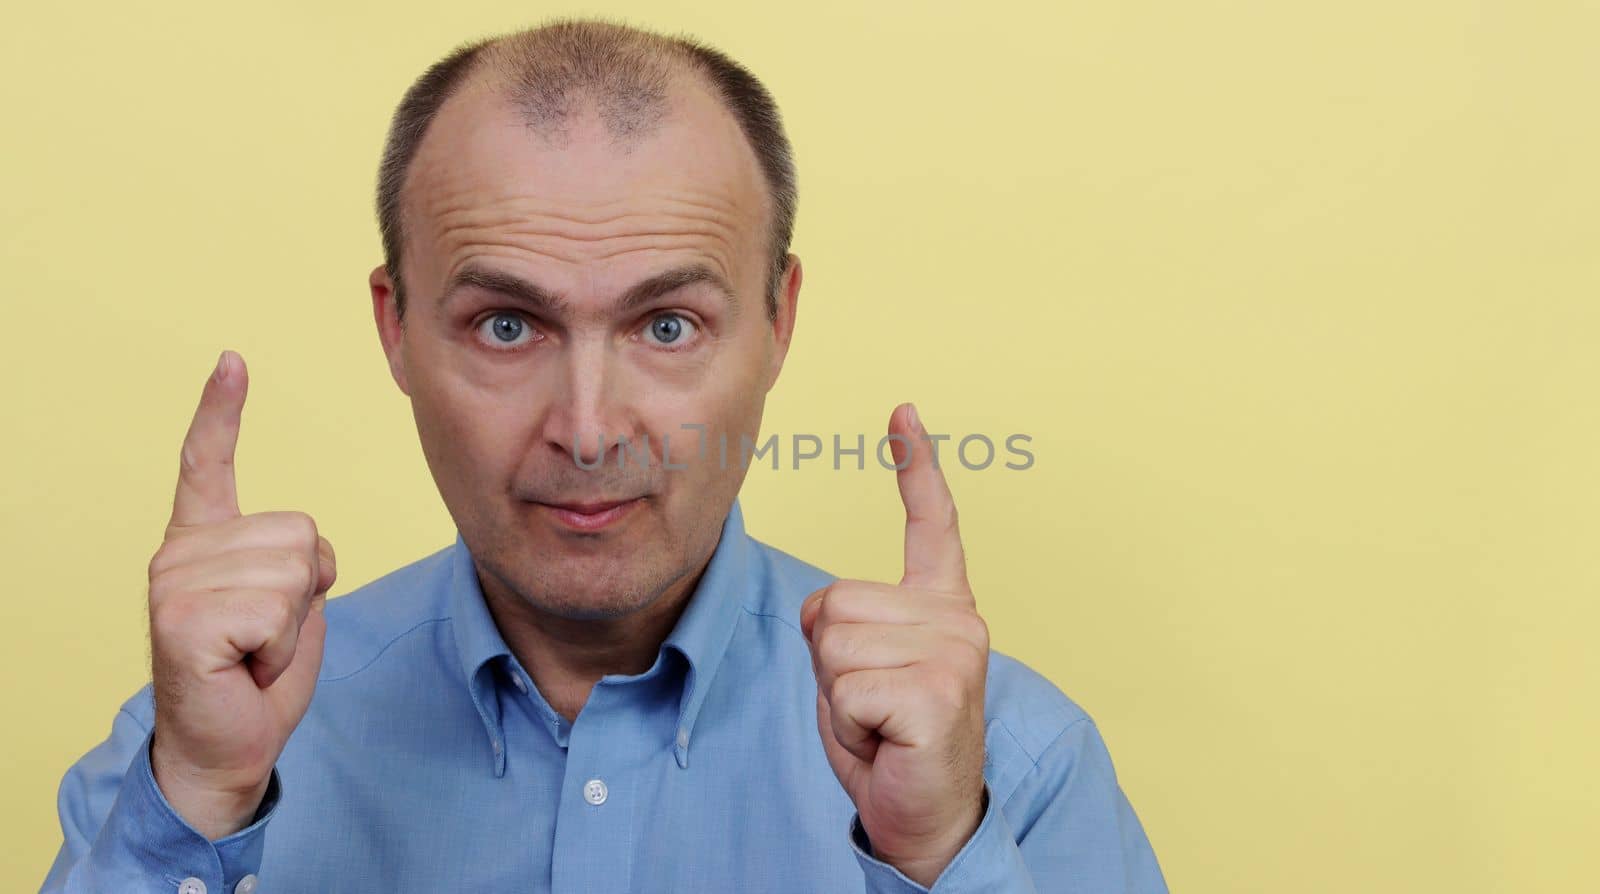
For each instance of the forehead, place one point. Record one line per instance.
(485, 182)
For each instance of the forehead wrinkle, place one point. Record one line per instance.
(514, 250)
(558, 225)
(719, 209)
(598, 246)
(510, 225)
(482, 245)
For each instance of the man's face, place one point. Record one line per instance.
(503, 388)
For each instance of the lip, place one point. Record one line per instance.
(593, 516)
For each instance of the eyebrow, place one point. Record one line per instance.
(554, 304)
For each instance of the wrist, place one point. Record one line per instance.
(926, 865)
(215, 811)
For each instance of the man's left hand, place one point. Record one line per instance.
(900, 680)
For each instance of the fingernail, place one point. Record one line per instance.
(916, 423)
(221, 374)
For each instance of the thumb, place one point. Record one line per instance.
(846, 764)
(934, 556)
(327, 569)
(207, 491)
(299, 679)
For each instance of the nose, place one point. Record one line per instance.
(587, 415)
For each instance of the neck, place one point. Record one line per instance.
(567, 656)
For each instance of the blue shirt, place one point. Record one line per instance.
(428, 762)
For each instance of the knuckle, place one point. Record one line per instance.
(162, 589)
(980, 656)
(188, 461)
(948, 688)
(159, 563)
(176, 548)
(975, 662)
(851, 688)
(262, 610)
(830, 645)
(170, 615)
(302, 529)
(842, 691)
(279, 613)
(817, 601)
(977, 631)
(836, 597)
(299, 566)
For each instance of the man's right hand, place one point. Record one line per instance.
(236, 625)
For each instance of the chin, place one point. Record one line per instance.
(590, 587)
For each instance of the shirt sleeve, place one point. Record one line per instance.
(1067, 826)
(120, 834)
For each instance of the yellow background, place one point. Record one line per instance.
(1297, 300)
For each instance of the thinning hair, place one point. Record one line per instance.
(552, 70)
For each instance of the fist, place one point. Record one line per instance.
(236, 625)
(901, 671)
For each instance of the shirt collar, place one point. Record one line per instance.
(706, 626)
(701, 635)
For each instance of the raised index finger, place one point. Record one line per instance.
(934, 557)
(206, 489)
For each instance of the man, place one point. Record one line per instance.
(604, 684)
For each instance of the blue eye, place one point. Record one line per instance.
(505, 329)
(668, 328)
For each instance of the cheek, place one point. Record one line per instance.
(721, 403)
(473, 431)
(687, 428)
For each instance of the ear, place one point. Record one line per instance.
(391, 333)
(783, 325)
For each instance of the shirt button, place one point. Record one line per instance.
(594, 791)
(191, 885)
(683, 738)
(247, 885)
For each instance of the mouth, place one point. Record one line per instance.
(590, 516)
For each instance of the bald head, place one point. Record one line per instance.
(623, 74)
(558, 72)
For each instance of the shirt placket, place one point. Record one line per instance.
(595, 821)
